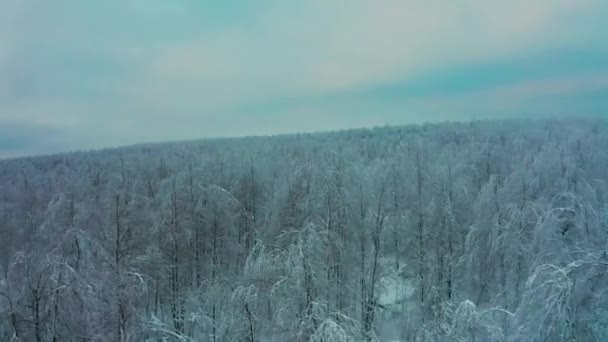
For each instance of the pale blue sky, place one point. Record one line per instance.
(80, 74)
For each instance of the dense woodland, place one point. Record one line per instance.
(481, 231)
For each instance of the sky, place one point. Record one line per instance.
(79, 75)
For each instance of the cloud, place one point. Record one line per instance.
(17, 139)
(568, 96)
(119, 72)
(329, 47)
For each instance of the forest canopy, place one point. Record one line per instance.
(477, 231)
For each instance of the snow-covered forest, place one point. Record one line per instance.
(481, 231)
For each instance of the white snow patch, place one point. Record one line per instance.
(394, 290)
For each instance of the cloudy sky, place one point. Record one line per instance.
(80, 74)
